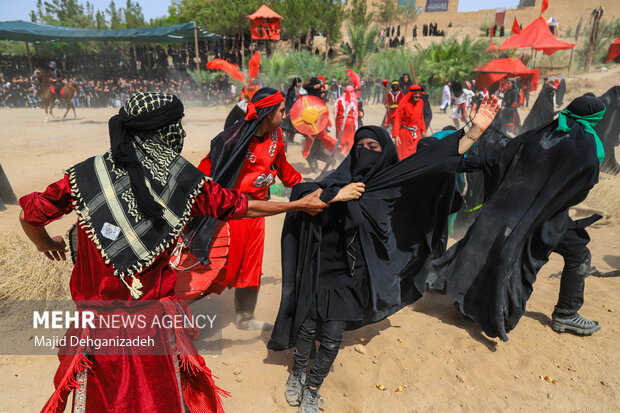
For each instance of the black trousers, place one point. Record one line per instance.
(573, 248)
(331, 338)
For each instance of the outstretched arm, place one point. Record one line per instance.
(480, 121)
(52, 247)
(310, 204)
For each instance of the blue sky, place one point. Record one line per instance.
(20, 9)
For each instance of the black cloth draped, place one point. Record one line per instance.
(608, 129)
(542, 111)
(399, 220)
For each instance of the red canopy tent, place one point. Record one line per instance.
(614, 51)
(265, 24)
(492, 48)
(538, 36)
(503, 67)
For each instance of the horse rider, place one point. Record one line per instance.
(56, 78)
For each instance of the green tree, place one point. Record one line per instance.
(300, 16)
(116, 19)
(331, 13)
(362, 42)
(358, 14)
(100, 21)
(387, 11)
(133, 15)
(409, 11)
(64, 13)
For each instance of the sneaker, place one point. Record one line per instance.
(246, 321)
(576, 324)
(310, 401)
(295, 387)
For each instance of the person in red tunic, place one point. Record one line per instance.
(346, 112)
(264, 160)
(392, 99)
(132, 202)
(409, 126)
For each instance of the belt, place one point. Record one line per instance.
(392, 106)
(412, 129)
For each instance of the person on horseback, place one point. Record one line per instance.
(56, 78)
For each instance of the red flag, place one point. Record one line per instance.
(545, 6)
(516, 29)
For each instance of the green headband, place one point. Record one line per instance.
(588, 123)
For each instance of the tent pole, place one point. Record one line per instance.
(29, 58)
(148, 55)
(196, 44)
(570, 61)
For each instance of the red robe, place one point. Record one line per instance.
(350, 106)
(391, 101)
(327, 141)
(263, 162)
(410, 115)
(122, 383)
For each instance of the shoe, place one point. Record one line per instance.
(246, 321)
(576, 324)
(295, 387)
(310, 401)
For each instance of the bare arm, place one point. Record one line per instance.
(310, 204)
(52, 247)
(480, 121)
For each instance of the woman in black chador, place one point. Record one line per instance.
(363, 260)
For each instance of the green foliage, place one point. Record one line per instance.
(227, 17)
(282, 67)
(358, 13)
(451, 59)
(391, 63)
(362, 42)
(205, 75)
(387, 11)
(64, 13)
(12, 47)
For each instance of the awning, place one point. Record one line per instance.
(538, 36)
(26, 31)
(504, 67)
(614, 51)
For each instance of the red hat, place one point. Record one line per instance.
(416, 88)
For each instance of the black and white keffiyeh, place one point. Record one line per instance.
(135, 199)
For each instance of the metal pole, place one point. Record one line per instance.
(29, 59)
(148, 54)
(196, 44)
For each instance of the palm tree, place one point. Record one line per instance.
(362, 42)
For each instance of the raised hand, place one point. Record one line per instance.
(482, 118)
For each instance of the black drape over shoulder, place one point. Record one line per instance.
(608, 129)
(399, 219)
(529, 186)
(542, 111)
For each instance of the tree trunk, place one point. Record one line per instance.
(596, 18)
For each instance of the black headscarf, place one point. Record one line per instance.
(291, 94)
(141, 115)
(399, 219)
(227, 154)
(542, 111)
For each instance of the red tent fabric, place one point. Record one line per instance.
(503, 67)
(265, 24)
(614, 50)
(491, 48)
(538, 36)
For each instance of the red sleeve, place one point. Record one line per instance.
(397, 120)
(287, 174)
(41, 208)
(220, 203)
(205, 165)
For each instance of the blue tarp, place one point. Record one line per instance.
(33, 32)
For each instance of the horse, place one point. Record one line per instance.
(43, 83)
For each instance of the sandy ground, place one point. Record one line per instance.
(444, 360)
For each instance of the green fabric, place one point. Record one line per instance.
(588, 123)
(26, 31)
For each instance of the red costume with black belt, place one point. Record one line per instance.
(346, 111)
(392, 101)
(263, 162)
(148, 378)
(409, 124)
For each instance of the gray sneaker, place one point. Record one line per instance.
(295, 387)
(310, 401)
(576, 324)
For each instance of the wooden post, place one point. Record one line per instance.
(29, 58)
(570, 61)
(196, 44)
(148, 54)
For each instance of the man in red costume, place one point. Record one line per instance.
(392, 99)
(346, 112)
(409, 126)
(264, 160)
(132, 203)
